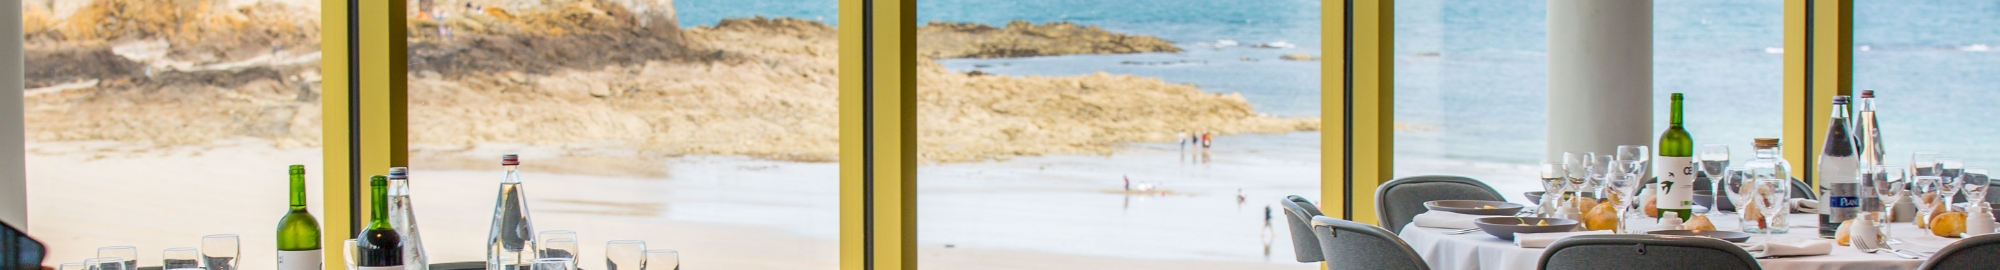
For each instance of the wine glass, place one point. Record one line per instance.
(1713, 158)
(1949, 169)
(1553, 179)
(1975, 184)
(553, 263)
(219, 251)
(73, 266)
(1924, 190)
(1923, 163)
(105, 263)
(1577, 165)
(668, 259)
(1601, 168)
(1635, 156)
(180, 258)
(1625, 185)
(627, 253)
(1770, 198)
(560, 248)
(131, 255)
(1734, 186)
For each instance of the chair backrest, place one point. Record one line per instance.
(1352, 245)
(1977, 252)
(1801, 190)
(1641, 251)
(1299, 213)
(17, 251)
(1400, 200)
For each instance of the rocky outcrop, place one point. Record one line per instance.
(943, 40)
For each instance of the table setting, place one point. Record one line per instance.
(1903, 220)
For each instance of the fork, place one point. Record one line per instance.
(1891, 252)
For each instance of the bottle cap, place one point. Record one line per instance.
(1868, 93)
(297, 169)
(1767, 142)
(510, 159)
(399, 173)
(1838, 100)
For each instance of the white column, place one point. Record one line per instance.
(1600, 75)
(13, 174)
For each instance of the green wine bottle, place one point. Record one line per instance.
(1675, 168)
(379, 247)
(298, 231)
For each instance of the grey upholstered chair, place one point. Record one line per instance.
(1802, 190)
(1640, 251)
(1978, 252)
(1299, 213)
(1352, 245)
(1400, 200)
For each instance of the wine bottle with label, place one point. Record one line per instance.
(1675, 167)
(298, 231)
(379, 248)
(1838, 168)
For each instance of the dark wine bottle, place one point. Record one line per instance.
(379, 247)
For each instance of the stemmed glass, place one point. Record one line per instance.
(1923, 163)
(1554, 177)
(1600, 172)
(1949, 169)
(1624, 185)
(552, 264)
(219, 251)
(1578, 166)
(1770, 197)
(1734, 187)
(1975, 182)
(180, 258)
(1924, 190)
(131, 255)
(1714, 158)
(1888, 185)
(73, 266)
(105, 263)
(1636, 157)
(668, 259)
(625, 254)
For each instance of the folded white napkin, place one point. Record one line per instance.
(1804, 206)
(1791, 247)
(1541, 240)
(1447, 220)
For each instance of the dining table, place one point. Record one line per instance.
(1478, 250)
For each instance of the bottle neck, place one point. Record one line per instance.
(1840, 111)
(513, 174)
(380, 217)
(399, 187)
(1674, 119)
(298, 192)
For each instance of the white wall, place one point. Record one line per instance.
(13, 174)
(1600, 75)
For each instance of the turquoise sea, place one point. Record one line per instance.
(1471, 74)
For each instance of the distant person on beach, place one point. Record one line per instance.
(1240, 199)
(1183, 138)
(1128, 183)
(1206, 140)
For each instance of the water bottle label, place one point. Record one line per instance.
(299, 260)
(1844, 202)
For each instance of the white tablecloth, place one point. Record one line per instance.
(1479, 250)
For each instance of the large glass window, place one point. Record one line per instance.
(1059, 133)
(1930, 65)
(707, 127)
(1471, 82)
(153, 123)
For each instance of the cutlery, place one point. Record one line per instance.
(1463, 231)
(1891, 252)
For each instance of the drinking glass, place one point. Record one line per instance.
(348, 250)
(555, 234)
(1770, 198)
(1553, 179)
(1923, 163)
(1735, 187)
(1948, 181)
(553, 264)
(1636, 157)
(1889, 184)
(105, 263)
(1924, 191)
(1625, 185)
(73, 266)
(668, 259)
(1712, 159)
(627, 253)
(219, 251)
(180, 258)
(560, 248)
(1975, 182)
(129, 253)
(1577, 165)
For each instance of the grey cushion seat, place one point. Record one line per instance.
(1399, 201)
(1352, 245)
(1639, 251)
(1978, 252)
(1299, 214)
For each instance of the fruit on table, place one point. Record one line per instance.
(1652, 208)
(1948, 224)
(1937, 209)
(1841, 236)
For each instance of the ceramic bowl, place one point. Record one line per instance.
(1475, 207)
(1506, 227)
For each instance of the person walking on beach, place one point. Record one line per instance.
(1183, 138)
(1128, 183)
(1240, 199)
(1206, 140)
